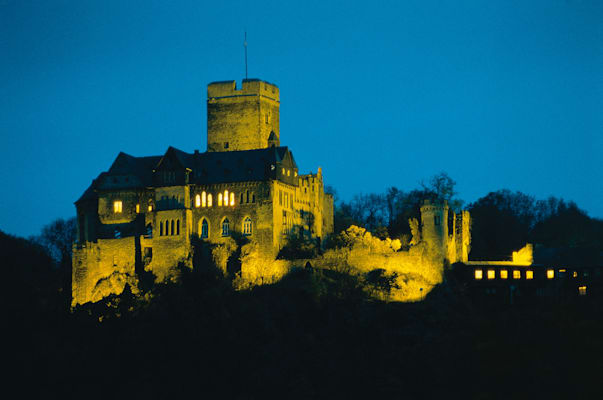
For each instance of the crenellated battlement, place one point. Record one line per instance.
(250, 87)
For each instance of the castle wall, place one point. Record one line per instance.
(256, 205)
(171, 248)
(103, 268)
(242, 118)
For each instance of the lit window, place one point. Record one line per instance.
(232, 199)
(479, 274)
(550, 273)
(516, 274)
(219, 199)
(575, 274)
(504, 274)
(204, 229)
(582, 290)
(295, 173)
(225, 227)
(197, 201)
(150, 208)
(117, 206)
(137, 208)
(226, 197)
(529, 274)
(247, 226)
(283, 171)
(491, 274)
(209, 200)
(288, 172)
(203, 199)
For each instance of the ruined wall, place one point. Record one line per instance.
(242, 118)
(418, 270)
(103, 268)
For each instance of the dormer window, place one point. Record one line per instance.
(117, 206)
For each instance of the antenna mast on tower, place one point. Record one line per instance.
(245, 45)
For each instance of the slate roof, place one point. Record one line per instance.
(207, 168)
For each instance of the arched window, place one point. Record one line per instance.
(226, 197)
(219, 199)
(209, 202)
(225, 227)
(241, 199)
(203, 199)
(177, 227)
(232, 199)
(253, 198)
(204, 229)
(161, 228)
(197, 201)
(247, 229)
(247, 195)
(172, 227)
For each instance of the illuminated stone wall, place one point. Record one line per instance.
(445, 232)
(122, 231)
(103, 268)
(242, 118)
(256, 205)
(169, 250)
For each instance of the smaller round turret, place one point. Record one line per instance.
(434, 224)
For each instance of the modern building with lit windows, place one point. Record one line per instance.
(144, 212)
(547, 273)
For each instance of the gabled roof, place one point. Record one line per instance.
(237, 166)
(141, 167)
(207, 168)
(173, 159)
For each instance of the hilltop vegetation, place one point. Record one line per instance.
(326, 331)
(314, 334)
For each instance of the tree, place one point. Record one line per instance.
(57, 238)
(502, 222)
(441, 188)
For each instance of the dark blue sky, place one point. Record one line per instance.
(499, 94)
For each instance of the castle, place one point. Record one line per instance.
(143, 213)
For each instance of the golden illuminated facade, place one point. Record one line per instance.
(143, 213)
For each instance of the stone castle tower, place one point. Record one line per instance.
(242, 119)
(443, 229)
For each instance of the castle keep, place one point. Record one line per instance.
(144, 212)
